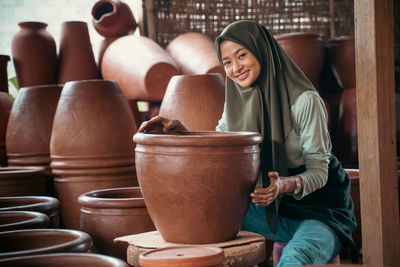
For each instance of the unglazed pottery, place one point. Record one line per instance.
(194, 53)
(111, 213)
(5, 107)
(112, 18)
(196, 185)
(197, 101)
(76, 59)
(3, 73)
(190, 256)
(91, 146)
(22, 181)
(17, 220)
(34, 55)
(103, 46)
(140, 66)
(42, 241)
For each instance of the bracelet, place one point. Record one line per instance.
(298, 188)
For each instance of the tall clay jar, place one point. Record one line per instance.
(5, 108)
(34, 54)
(196, 186)
(110, 213)
(91, 145)
(196, 100)
(140, 66)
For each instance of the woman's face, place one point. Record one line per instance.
(239, 63)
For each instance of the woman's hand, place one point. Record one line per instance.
(265, 196)
(162, 125)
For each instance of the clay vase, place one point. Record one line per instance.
(64, 260)
(3, 73)
(183, 177)
(17, 220)
(34, 55)
(190, 256)
(111, 213)
(76, 59)
(22, 181)
(5, 107)
(140, 66)
(91, 145)
(195, 100)
(113, 18)
(45, 205)
(194, 53)
(42, 241)
(354, 176)
(307, 49)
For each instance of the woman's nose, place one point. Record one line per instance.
(236, 66)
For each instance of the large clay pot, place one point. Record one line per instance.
(196, 100)
(64, 260)
(34, 54)
(42, 241)
(22, 181)
(190, 256)
(93, 150)
(5, 107)
(105, 43)
(307, 49)
(45, 205)
(111, 213)
(17, 220)
(76, 58)
(196, 186)
(3, 73)
(140, 66)
(194, 53)
(112, 18)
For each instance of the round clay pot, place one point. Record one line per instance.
(342, 57)
(76, 59)
(3, 73)
(34, 55)
(190, 256)
(111, 213)
(140, 66)
(197, 180)
(113, 18)
(45, 205)
(93, 150)
(195, 100)
(43, 241)
(102, 49)
(307, 49)
(17, 220)
(22, 181)
(5, 107)
(194, 53)
(64, 260)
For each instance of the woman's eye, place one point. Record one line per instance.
(242, 55)
(226, 63)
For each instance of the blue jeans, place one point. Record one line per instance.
(309, 241)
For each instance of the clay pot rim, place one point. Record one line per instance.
(299, 35)
(343, 38)
(201, 76)
(199, 138)
(26, 217)
(105, 16)
(35, 87)
(6, 172)
(32, 24)
(90, 81)
(30, 203)
(96, 199)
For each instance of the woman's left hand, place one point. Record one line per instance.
(265, 196)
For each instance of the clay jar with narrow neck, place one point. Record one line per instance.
(194, 53)
(18, 220)
(196, 186)
(34, 54)
(91, 145)
(5, 108)
(110, 213)
(140, 66)
(22, 181)
(195, 100)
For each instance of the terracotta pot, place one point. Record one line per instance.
(191, 256)
(354, 176)
(307, 49)
(102, 49)
(113, 18)
(140, 66)
(17, 220)
(342, 57)
(43, 241)
(45, 205)
(183, 177)
(64, 260)
(194, 53)
(3, 73)
(5, 107)
(76, 59)
(111, 213)
(22, 181)
(93, 150)
(196, 100)
(34, 55)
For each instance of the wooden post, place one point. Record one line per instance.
(332, 18)
(377, 132)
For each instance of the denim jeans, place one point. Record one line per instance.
(309, 241)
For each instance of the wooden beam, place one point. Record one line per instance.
(377, 132)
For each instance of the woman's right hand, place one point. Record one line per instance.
(162, 125)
